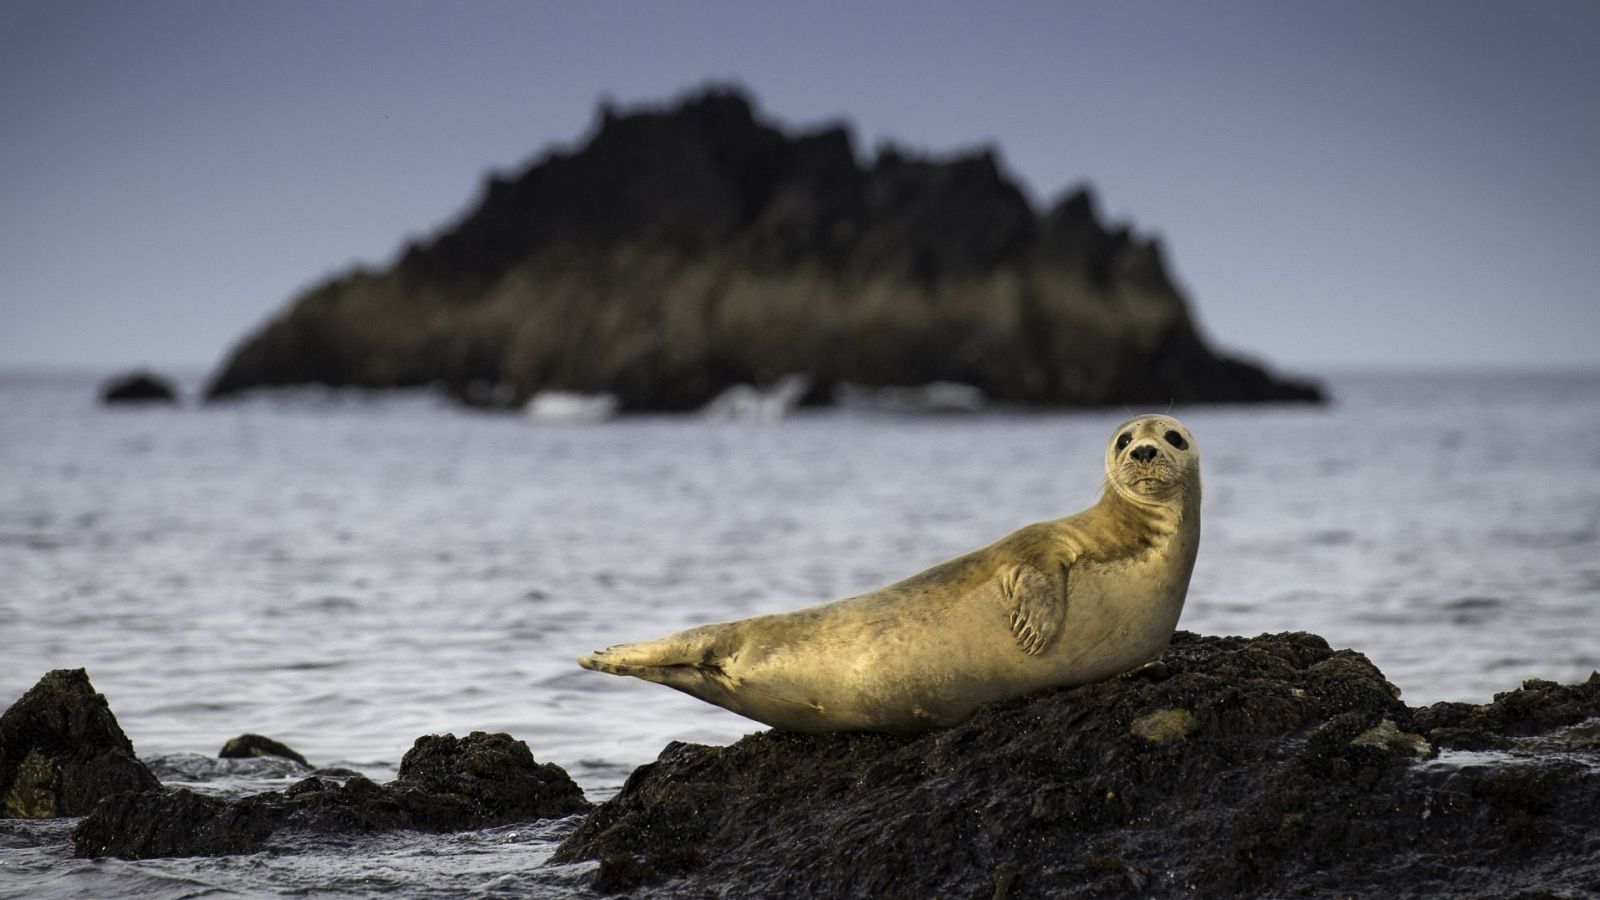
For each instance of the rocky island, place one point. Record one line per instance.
(1267, 766)
(682, 251)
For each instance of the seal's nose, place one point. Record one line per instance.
(1143, 452)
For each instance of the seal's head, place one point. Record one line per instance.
(1153, 459)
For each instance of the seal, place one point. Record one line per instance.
(1053, 604)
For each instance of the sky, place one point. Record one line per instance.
(1345, 185)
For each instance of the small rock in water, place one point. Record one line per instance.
(138, 387)
(61, 750)
(481, 780)
(445, 784)
(247, 745)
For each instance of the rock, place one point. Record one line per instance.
(683, 251)
(444, 784)
(61, 750)
(1270, 766)
(247, 745)
(138, 387)
(173, 822)
(1537, 708)
(481, 780)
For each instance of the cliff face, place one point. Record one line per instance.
(681, 251)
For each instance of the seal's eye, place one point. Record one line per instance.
(1124, 440)
(1176, 440)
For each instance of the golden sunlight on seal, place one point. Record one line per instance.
(1056, 603)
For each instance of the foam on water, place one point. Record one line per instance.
(346, 572)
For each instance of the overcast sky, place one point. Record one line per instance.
(1409, 184)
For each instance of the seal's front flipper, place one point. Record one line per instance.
(1038, 607)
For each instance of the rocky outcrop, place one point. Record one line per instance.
(63, 754)
(445, 784)
(247, 746)
(682, 251)
(61, 750)
(138, 387)
(1272, 766)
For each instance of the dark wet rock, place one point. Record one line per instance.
(679, 252)
(480, 780)
(172, 822)
(249, 745)
(138, 387)
(444, 784)
(1269, 766)
(61, 750)
(1539, 707)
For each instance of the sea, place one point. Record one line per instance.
(345, 571)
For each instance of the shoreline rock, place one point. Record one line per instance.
(1273, 765)
(445, 784)
(685, 250)
(61, 750)
(63, 754)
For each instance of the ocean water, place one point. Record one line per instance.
(346, 572)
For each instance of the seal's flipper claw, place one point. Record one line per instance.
(1038, 607)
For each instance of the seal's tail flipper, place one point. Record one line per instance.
(686, 660)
